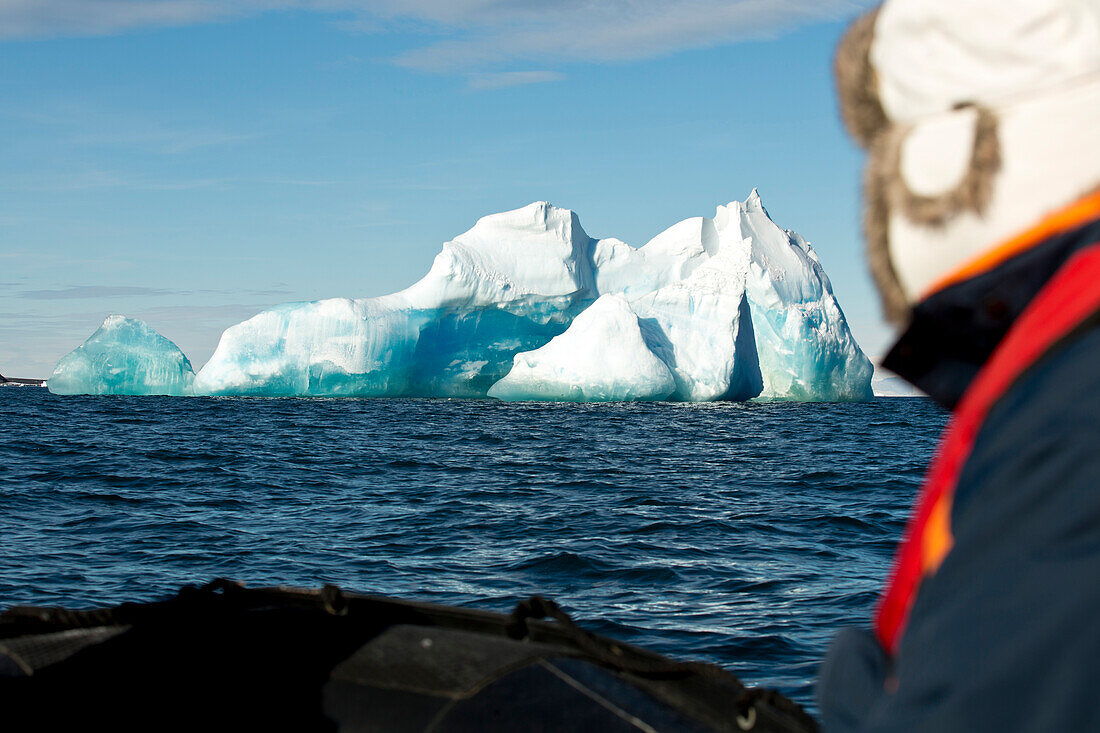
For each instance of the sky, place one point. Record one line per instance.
(192, 162)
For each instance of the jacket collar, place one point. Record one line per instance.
(954, 330)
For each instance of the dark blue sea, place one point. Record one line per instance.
(743, 534)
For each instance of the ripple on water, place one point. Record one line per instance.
(742, 534)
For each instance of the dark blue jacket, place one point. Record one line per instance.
(1002, 630)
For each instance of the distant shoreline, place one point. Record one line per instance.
(21, 382)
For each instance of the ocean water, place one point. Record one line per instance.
(743, 534)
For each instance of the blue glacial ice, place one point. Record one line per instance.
(124, 356)
(525, 305)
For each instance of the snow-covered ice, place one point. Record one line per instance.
(525, 305)
(601, 357)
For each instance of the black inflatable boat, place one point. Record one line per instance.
(228, 657)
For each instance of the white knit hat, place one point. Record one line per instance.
(932, 55)
(980, 116)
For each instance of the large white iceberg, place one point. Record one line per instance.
(525, 305)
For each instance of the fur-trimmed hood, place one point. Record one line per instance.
(978, 118)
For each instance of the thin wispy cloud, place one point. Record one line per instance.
(276, 291)
(100, 179)
(87, 180)
(190, 313)
(465, 36)
(503, 79)
(166, 142)
(73, 123)
(92, 291)
(49, 18)
(613, 30)
(74, 292)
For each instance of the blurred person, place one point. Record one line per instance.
(982, 223)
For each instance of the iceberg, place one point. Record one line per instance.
(525, 305)
(601, 357)
(123, 357)
(508, 285)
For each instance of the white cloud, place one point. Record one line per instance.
(611, 30)
(464, 35)
(502, 79)
(92, 291)
(45, 18)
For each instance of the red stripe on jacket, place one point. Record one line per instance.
(1070, 298)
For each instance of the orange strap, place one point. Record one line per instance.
(1053, 224)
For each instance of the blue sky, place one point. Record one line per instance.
(190, 162)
